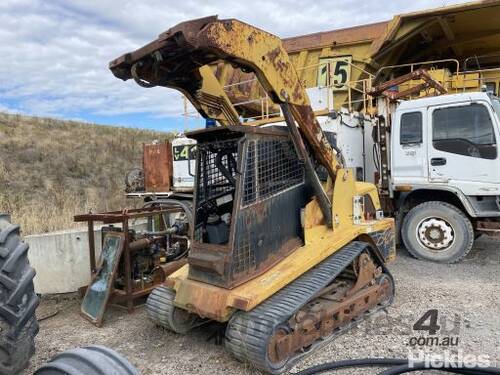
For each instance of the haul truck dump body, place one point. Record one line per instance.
(288, 259)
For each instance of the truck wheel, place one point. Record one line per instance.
(18, 301)
(438, 232)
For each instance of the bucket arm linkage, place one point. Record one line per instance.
(179, 59)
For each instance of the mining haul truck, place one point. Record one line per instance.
(288, 249)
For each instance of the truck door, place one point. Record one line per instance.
(408, 152)
(463, 146)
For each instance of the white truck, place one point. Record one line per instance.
(445, 173)
(437, 166)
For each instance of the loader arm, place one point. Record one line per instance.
(179, 59)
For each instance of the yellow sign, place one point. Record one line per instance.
(335, 72)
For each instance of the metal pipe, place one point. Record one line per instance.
(139, 244)
(173, 202)
(323, 201)
(171, 230)
(420, 63)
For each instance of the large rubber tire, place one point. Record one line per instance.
(90, 360)
(18, 301)
(462, 232)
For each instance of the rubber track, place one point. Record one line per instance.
(160, 305)
(18, 300)
(248, 333)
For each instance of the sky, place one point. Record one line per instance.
(55, 53)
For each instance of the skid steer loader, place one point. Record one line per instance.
(287, 260)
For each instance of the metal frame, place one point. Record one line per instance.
(128, 296)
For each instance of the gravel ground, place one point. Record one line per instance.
(466, 296)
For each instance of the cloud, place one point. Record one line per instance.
(55, 54)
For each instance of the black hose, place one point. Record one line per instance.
(340, 155)
(376, 156)
(222, 168)
(345, 123)
(400, 366)
(406, 368)
(173, 202)
(352, 363)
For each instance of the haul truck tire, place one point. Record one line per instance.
(18, 301)
(437, 231)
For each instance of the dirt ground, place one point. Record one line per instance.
(466, 296)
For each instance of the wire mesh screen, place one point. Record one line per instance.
(271, 166)
(244, 256)
(249, 188)
(217, 166)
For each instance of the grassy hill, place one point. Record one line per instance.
(52, 169)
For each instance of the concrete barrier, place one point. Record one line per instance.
(61, 259)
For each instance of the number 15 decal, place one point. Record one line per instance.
(335, 71)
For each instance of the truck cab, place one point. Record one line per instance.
(445, 172)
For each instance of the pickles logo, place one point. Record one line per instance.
(449, 360)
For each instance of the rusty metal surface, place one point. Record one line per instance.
(321, 196)
(310, 128)
(130, 291)
(269, 198)
(334, 307)
(331, 38)
(419, 74)
(119, 216)
(385, 242)
(157, 165)
(224, 132)
(174, 60)
(489, 227)
(171, 267)
(366, 272)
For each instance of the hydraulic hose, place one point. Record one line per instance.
(406, 368)
(399, 366)
(365, 362)
(171, 230)
(173, 202)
